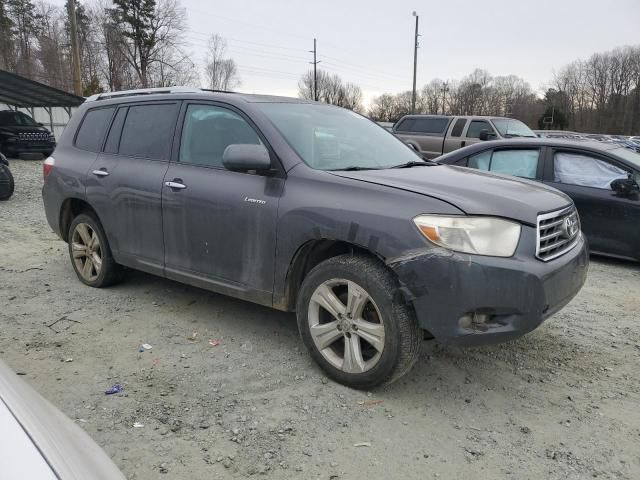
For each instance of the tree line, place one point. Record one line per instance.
(598, 95)
(123, 44)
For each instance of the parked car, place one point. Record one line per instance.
(433, 135)
(6, 179)
(38, 442)
(310, 208)
(601, 178)
(20, 134)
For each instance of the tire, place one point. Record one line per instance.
(387, 353)
(83, 232)
(7, 183)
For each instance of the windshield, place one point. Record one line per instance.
(508, 127)
(628, 155)
(16, 118)
(332, 138)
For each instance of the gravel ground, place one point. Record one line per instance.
(562, 402)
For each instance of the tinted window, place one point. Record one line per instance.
(11, 119)
(521, 163)
(406, 125)
(458, 127)
(93, 128)
(113, 139)
(584, 170)
(148, 131)
(476, 127)
(209, 130)
(430, 125)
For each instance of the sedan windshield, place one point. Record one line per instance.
(332, 138)
(16, 118)
(508, 127)
(628, 155)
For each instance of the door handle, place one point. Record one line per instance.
(176, 184)
(101, 173)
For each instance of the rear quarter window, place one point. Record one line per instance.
(405, 125)
(430, 125)
(93, 129)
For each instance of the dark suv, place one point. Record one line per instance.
(311, 208)
(19, 134)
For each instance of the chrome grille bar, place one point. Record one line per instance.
(558, 232)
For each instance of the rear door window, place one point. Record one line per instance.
(93, 129)
(476, 126)
(430, 125)
(585, 170)
(148, 131)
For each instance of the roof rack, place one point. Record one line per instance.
(142, 91)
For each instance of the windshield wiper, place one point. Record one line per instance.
(416, 163)
(352, 168)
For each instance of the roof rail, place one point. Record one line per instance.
(142, 91)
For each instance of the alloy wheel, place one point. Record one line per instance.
(87, 251)
(346, 325)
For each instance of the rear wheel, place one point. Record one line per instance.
(90, 254)
(355, 323)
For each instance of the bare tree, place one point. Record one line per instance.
(221, 72)
(331, 89)
(149, 30)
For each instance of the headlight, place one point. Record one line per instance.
(480, 235)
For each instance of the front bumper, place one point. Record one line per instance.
(512, 295)
(17, 147)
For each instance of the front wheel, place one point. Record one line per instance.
(355, 323)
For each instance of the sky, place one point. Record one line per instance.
(370, 43)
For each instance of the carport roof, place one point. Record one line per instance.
(22, 92)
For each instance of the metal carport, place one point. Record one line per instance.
(20, 92)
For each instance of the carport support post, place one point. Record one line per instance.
(48, 110)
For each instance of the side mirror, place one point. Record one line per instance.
(486, 134)
(412, 147)
(624, 186)
(244, 157)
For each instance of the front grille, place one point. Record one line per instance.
(33, 136)
(558, 232)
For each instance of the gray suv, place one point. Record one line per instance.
(315, 209)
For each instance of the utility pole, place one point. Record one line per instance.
(415, 66)
(315, 71)
(75, 52)
(445, 89)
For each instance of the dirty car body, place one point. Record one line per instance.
(336, 185)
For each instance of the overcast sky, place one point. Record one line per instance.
(370, 42)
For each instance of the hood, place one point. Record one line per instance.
(473, 191)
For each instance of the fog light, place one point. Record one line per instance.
(474, 321)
